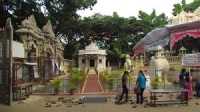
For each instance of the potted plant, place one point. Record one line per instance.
(73, 85)
(56, 85)
(109, 79)
(155, 82)
(132, 79)
(75, 79)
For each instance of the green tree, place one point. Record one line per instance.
(186, 7)
(62, 13)
(192, 6)
(112, 33)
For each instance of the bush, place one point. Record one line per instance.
(155, 81)
(56, 85)
(75, 77)
(109, 78)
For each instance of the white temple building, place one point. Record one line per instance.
(185, 17)
(92, 57)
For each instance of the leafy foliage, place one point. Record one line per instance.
(186, 7)
(75, 77)
(116, 34)
(109, 78)
(155, 81)
(56, 83)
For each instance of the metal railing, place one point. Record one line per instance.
(171, 82)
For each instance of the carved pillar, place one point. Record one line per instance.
(27, 42)
(141, 60)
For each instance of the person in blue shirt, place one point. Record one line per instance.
(141, 83)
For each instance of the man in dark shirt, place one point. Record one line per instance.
(124, 86)
(197, 86)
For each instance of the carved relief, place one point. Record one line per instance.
(31, 23)
(8, 24)
(185, 17)
(32, 37)
(48, 29)
(28, 43)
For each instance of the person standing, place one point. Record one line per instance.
(197, 86)
(124, 86)
(188, 84)
(141, 83)
(181, 77)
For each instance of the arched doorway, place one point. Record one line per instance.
(92, 62)
(190, 43)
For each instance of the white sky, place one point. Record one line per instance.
(127, 8)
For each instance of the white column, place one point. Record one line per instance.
(79, 60)
(104, 62)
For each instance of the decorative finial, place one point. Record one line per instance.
(8, 20)
(90, 39)
(182, 10)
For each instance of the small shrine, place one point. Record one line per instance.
(92, 57)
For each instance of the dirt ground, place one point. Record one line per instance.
(38, 104)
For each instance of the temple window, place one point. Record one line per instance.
(100, 60)
(83, 61)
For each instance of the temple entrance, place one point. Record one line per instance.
(92, 63)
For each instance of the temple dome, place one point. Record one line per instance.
(159, 48)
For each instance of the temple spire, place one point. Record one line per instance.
(182, 9)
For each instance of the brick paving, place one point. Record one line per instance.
(92, 84)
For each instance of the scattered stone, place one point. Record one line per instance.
(117, 97)
(48, 105)
(162, 105)
(80, 98)
(84, 105)
(53, 102)
(67, 100)
(146, 106)
(132, 102)
(69, 106)
(60, 99)
(196, 103)
(175, 105)
(58, 105)
(24, 98)
(134, 106)
(80, 102)
(21, 102)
